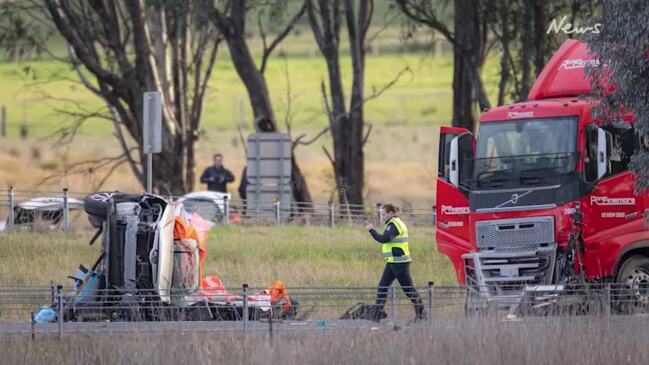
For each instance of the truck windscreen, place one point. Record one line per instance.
(524, 152)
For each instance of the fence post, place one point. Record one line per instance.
(393, 305)
(60, 305)
(245, 308)
(10, 220)
(379, 213)
(226, 210)
(3, 122)
(278, 217)
(609, 301)
(434, 216)
(66, 211)
(270, 325)
(431, 293)
(33, 325)
(331, 214)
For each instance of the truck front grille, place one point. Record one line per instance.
(514, 235)
(495, 273)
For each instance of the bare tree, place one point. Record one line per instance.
(346, 124)
(230, 18)
(469, 40)
(121, 49)
(517, 28)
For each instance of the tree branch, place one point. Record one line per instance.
(280, 37)
(298, 140)
(331, 159)
(417, 12)
(378, 92)
(367, 135)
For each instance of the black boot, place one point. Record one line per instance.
(420, 313)
(377, 313)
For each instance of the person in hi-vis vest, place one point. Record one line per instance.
(396, 253)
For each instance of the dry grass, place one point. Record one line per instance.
(299, 256)
(411, 153)
(550, 341)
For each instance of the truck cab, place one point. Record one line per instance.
(506, 200)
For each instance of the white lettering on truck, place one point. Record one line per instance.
(518, 115)
(604, 200)
(578, 63)
(449, 209)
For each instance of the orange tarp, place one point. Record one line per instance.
(278, 292)
(197, 231)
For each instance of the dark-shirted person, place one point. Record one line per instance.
(396, 253)
(216, 176)
(243, 187)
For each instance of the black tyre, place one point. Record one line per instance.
(96, 204)
(633, 293)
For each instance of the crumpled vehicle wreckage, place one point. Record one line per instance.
(151, 268)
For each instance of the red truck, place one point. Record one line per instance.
(540, 170)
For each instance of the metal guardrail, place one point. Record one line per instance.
(250, 309)
(227, 211)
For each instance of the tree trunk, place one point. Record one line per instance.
(539, 35)
(346, 126)
(255, 83)
(353, 164)
(503, 14)
(464, 114)
(526, 52)
(469, 54)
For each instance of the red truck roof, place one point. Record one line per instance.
(559, 90)
(564, 74)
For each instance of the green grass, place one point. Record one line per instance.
(34, 91)
(299, 256)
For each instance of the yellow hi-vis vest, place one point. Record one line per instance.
(400, 241)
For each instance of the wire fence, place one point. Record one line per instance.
(257, 309)
(44, 210)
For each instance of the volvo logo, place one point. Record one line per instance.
(514, 198)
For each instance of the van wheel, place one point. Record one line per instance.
(96, 204)
(633, 293)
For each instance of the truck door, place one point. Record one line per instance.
(613, 212)
(452, 205)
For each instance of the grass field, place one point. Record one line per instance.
(299, 256)
(33, 91)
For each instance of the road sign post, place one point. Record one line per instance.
(3, 122)
(151, 132)
(66, 210)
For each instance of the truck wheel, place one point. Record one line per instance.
(633, 295)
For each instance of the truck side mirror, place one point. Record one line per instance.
(461, 150)
(454, 172)
(602, 156)
(598, 142)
